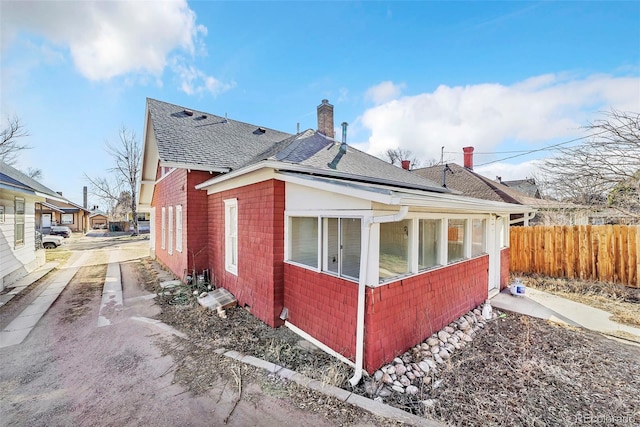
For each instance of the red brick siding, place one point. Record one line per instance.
(404, 313)
(505, 260)
(259, 283)
(323, 306)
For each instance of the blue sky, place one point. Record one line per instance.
(500, 76)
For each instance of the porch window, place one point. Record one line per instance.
(341, 246)
(19, 222)
(477, 237)
(164, 228)
(179, 228)
(455, 240)
(231, 235)
(170, 250)
(394, 249)
(303, 240)
(428, 243)
(66, 219)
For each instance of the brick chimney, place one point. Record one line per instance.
(406, 164)
(468, 157)
(325, 118)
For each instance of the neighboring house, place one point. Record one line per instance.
(21, 199)
(464, 180)
(60, 211)
(363, 258)
(525, 186)
(98, 219)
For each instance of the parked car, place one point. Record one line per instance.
(60, 230)
(49, 241)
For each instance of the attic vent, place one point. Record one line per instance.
(260, 131)
(188, 112)
(204, 116)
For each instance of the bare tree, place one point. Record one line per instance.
(10, 145)
(603, 171)
(35, 173)
(395, 156)
(127, 156)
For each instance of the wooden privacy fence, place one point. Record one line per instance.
(607, 253)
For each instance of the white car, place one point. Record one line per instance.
(52, 242)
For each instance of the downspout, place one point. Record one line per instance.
(362, 284)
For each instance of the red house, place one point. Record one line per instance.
(363, 258)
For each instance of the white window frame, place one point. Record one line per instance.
(163, 227)
(179, 228)
(170, 249)
(20, 215)
(231, 236)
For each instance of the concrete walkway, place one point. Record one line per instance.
(26, 281)
(20, 327)
(547, 306)
(112, 303)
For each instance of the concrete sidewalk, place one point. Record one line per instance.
(20, 327)
(547, 306)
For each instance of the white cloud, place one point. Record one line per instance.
(108, 38)
(507, 171)
(539, 110)
(195, 82)
(383, 92)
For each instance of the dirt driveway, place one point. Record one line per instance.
(69, 371)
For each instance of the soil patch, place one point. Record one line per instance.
(89, 281)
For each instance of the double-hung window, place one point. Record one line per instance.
(231, 235)
(428, 243)
(19, 222)
(394, 249)
(456, 239)
(477, 237)
(303, 238)
(163, 226)
(179, 228)
(341, 246)
(170, 250)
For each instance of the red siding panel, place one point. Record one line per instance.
(323, 306)
(403, 313)
(398, 315)
(178, 188)
(259, 283)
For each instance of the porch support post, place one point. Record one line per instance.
(365, 238)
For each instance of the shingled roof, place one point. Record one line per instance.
(197, 138)
(472, 184)
(13, 177)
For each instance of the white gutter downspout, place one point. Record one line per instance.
(362, 284)
(525, 219)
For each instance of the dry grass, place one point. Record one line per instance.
(518, 371)
(621, 301)
(59, 254)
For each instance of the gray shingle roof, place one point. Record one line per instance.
(315, 150)
(470, 183)
(214, 142)
(14, 177)
(206, 139)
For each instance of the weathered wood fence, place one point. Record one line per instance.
(608, 253)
